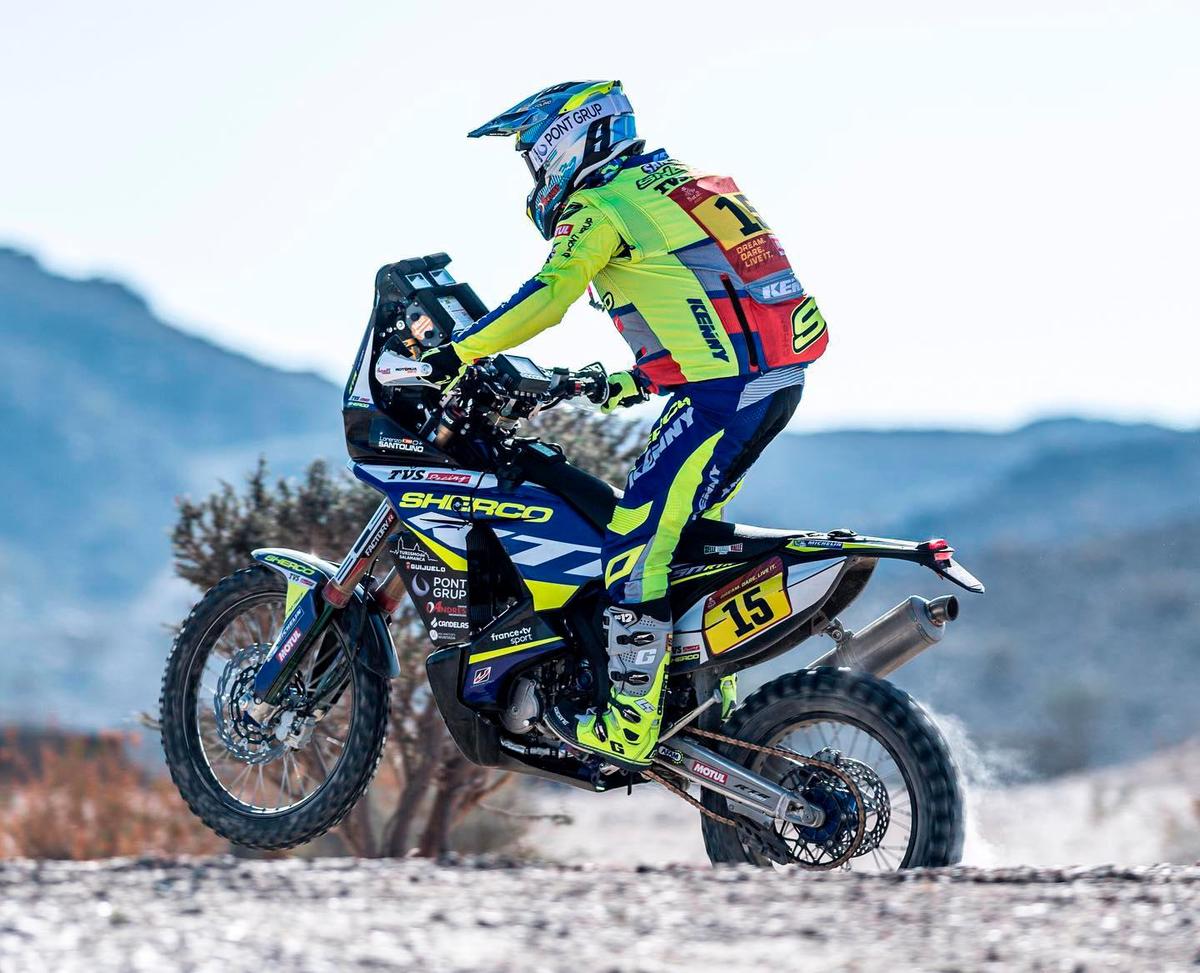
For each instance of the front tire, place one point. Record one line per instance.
(191, 733)
(902, 731)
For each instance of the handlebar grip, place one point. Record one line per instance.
(598, 389)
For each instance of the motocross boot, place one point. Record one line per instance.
(626, 730)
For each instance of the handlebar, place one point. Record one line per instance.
(590, 382)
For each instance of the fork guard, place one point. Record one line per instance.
(306, 614)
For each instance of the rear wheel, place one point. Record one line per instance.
(295, 777)
(875, 732)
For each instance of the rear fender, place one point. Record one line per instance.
(306, 614)
(934, 554)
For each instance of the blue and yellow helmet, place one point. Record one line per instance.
(565, 133)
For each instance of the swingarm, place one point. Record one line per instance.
(686, 758)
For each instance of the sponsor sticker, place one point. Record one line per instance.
(482, 675)
(709, 773)
(513, 636)
(401, 445)
(564, 229)
(286, 649)
(722, 548)
(565, 125)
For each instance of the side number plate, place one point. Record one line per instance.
(746, 607)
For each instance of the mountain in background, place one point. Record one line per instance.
(106, 416)
(1085, 649)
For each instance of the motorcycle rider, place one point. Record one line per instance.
(700, 288)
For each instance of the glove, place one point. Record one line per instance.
(444, 362)
(624, 389)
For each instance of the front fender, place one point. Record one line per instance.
(306, 613)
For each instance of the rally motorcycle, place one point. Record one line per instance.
(275, 699)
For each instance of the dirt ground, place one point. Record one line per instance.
(337, 914)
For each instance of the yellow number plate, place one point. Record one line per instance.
(746, 607)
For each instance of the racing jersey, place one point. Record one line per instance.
(691, 274)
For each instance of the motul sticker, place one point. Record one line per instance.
(564, 229)
(709, 773)
(286, 649)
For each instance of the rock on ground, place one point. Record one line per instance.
(339, 914)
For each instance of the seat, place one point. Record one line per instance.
(715, 540)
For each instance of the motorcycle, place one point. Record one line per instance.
(274, 702)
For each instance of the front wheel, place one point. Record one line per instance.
(877, 733)
(285, 782)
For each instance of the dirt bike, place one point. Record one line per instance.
(275, 699)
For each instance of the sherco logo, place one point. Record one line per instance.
(481, 505)
(287, 562)
(708, 330)
(711, 773)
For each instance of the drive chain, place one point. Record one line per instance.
(823, 766)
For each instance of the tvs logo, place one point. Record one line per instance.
(710, 773)
(430, 476)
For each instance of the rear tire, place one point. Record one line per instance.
(886, 713)
(184, 748)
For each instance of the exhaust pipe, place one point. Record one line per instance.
(894, 638)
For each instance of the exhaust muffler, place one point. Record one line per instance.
(894, 638)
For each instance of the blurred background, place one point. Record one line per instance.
(996, 210)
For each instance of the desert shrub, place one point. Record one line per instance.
(81, 797)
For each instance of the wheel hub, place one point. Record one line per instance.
(838, 804)
(876, 803)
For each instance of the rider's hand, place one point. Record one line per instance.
(444, 361)
(623, 390)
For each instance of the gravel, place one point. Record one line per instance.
(341, 914)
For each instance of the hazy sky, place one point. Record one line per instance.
(997, 211)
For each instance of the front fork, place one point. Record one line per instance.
(312, 603)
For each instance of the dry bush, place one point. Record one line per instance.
(77, 797)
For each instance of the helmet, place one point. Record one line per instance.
(566, 133)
